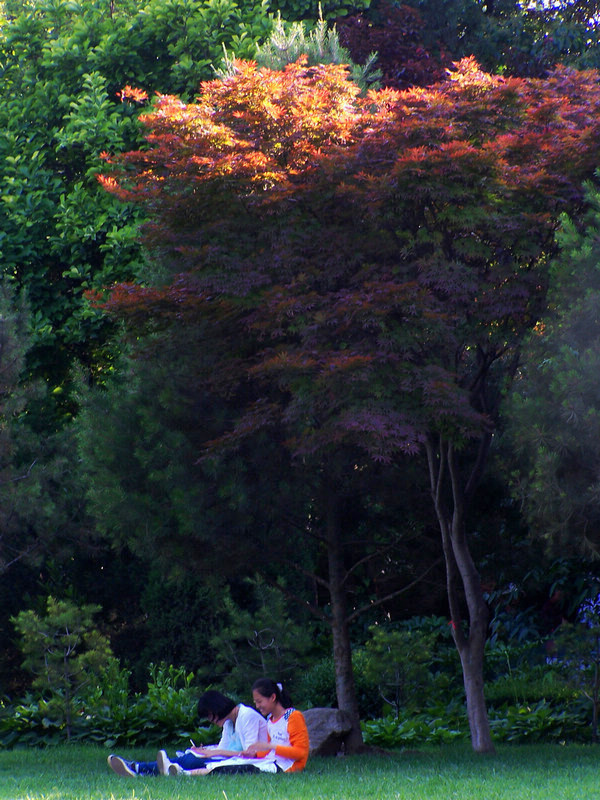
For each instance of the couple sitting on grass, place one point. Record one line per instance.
(249, 742)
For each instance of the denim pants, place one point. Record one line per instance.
(186, 761)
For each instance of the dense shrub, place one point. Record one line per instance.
(316, 687)
(519, 38)
(63, 650)
(529, 687)
(418, 729)
(531, 697)
(110, 715)
(529, 700)
(311, 9)
(541, 722)
(517, 724)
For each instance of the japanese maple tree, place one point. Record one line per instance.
(368, 267)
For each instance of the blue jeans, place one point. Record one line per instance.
(186, 761)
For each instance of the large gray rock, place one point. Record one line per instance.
(327, 730)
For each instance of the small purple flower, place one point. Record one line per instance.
(589, 612)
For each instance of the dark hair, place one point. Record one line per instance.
(215, 704)
(266, 687)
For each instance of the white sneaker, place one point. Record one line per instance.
(162, 762)
(122, 767)
(176, 769)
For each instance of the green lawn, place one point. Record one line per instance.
(549, 772)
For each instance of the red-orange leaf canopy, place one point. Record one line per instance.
(369, 264)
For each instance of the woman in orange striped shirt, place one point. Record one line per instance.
(286, 728)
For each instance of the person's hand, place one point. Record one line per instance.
(257, 747)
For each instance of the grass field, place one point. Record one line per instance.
(540, 772)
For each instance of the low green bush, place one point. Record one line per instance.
(514, 723)
(108, 714)
(391, 732)
(529, 688)
(531, 697)
(541, 722)
(315, 688)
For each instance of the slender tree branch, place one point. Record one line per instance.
(306, 572)
(391, 595)
(293, 596)
(5, 565)
(351, 570)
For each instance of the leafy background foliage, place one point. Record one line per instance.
(95, 508)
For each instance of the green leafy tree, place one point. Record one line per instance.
(398, 663)
(58, 234)
(62, 68)
(64, 651)
(554, 417)
(526, 39)
(38, 484)
(259, 638)
(309, 10)
(14, 340)
(42, 515)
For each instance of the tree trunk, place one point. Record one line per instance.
(342, 651)
(461, 574)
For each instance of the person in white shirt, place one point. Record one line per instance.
(241, 727)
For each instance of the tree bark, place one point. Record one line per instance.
(450, 504)
(342, 650)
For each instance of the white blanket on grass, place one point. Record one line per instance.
(266, 764)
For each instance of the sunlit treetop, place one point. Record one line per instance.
(382, 255)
